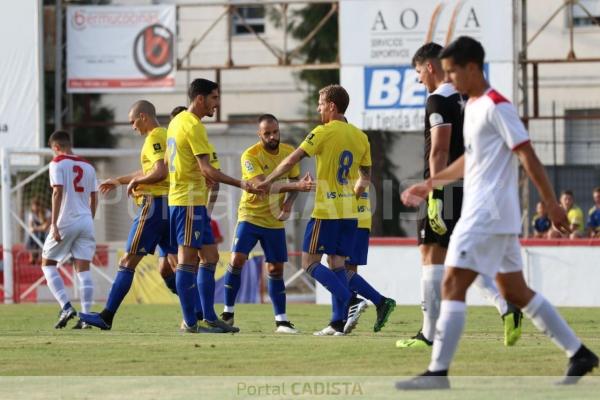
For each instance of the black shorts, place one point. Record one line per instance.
(452, 196)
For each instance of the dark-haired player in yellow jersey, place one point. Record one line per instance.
(342, 152)
(188, 159)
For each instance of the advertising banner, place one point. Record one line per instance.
(379, 38)
(120, 48)
(21, 78)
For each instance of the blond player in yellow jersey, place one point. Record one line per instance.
(188, 159)
(150, 228)
(260, 219)
(343, 165)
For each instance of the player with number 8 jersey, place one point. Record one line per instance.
(343, 161)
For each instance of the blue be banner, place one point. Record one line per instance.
(250, 284)
(393, 87)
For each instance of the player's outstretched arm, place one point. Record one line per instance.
(213, 193)
(306, 184)
(537, 173)
(364, 180)
(111, 183)
(417, 193)
(213, 174)
(284, 166)
(158, 173)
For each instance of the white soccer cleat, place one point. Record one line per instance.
(285, 327)
(354, 312)
(328, 331)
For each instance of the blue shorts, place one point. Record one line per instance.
(151, 228)
(188, 225)
(272, 241)
(360, 251)
(330, 236)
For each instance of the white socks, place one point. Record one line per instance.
(86, 290)
(489, 290)
(230, 309)
(545, 317)
(281, 317)
(431, 296)
(449, 328)
(56, 285)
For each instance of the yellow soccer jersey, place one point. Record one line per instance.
(263, 210)
(153, 150)
(364, 211)
(575, 216)
(186, 139)
(340, 148)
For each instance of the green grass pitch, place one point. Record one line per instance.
(145, 341)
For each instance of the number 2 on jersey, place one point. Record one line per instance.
(171, 149)
(78, 171)
(346, 159)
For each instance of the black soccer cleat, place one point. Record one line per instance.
(581, 363)
(65, 316)
(426, 381)
(228, 318)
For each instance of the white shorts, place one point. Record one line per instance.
(487, 254)
(77, 240)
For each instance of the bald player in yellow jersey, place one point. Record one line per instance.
(150, 187)
(188, 159)
(260, 219)
(342, 152)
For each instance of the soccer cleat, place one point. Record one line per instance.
(383, 312)
(227, 317)
(356, 308)
(223, 325)
(329, 331)
(82, 325)
(581, 363)
(416, 341)
(200, 327)
(285, 327)
(513, 319)
(64, 316)
(426, 381)
(94, 319)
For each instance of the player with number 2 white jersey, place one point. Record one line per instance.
(74, 201)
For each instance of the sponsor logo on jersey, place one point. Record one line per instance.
(249, 166)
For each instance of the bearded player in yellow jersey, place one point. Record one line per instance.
(342, 152)
(150, 186)
(260, 218)
(188, 159)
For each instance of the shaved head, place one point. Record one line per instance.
(143, 106)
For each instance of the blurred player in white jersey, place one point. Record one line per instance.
(486, 238)
(74, 201)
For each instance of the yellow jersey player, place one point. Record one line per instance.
(150, 228)
(342, 152)
(260, 219)
(188, 159)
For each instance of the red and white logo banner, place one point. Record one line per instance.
(120, 48)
